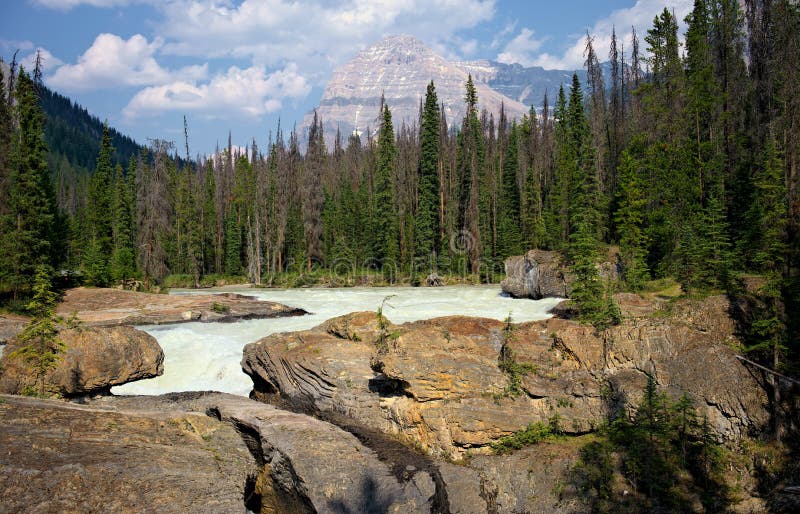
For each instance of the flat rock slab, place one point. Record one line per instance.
(104, 307)
(190, 452)
(10, 326)
(61, 457)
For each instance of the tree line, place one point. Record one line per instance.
(686, 158)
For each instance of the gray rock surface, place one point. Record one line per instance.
(191, 452)
(537, 274)
(542, 273)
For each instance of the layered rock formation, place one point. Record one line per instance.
(439, 383)
(93, 360)
(399, 68)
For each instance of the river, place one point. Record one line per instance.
(207, 356)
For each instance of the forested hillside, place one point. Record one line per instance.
(690, 168)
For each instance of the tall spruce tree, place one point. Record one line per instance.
(426, 229)
(471, 162)
(629, 218)
(313, 194)
(123, 260)
(509, 231)
(99, 215)
(386, 248)
(588, 294)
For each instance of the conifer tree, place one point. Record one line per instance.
(426, 229)
(557, 221)
(629, 218)
(471, 162)
(509, 237)
(386, 250)
(123, 265)
(233, 245)
(588, 294)
(100, 237)
(313, 194)
(28, 232)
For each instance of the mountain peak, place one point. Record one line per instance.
(399, 67)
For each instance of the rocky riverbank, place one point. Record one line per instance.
(363, 415)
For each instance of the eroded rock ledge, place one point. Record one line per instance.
(437, 383)
(105, 307)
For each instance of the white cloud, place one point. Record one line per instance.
(248, 92)
(315, 34)
(65, 5)
(522, 49)
(112, 61)
(49, 61)
(500, 36)
(640, 15)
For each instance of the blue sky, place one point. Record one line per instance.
(238, 65)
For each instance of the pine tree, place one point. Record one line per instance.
(471, 163)
(123, 260)
(233, 244)
(557, 214)
(28, 224)
(39, 346)
(153, 211)
(100, 237)
(587, 292)
(509, 237)
(426, 229)
(386, 250)
(313, 194)
(629, 218)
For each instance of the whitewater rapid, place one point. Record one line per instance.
(207, 356)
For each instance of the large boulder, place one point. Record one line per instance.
(541, 274)
(537, 274)
(92, 360)
(440, 385)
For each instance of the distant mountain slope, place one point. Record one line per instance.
(399, 68)
(525, 85)
(72, 134)
(528, 85)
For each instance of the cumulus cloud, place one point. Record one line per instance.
(65, 5)
(640, 16)
(112, 61)
(49, 61)
(316, 34)
(522, 49)
(250, 92)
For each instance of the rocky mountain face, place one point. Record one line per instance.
(526, 85)
(399, 68)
